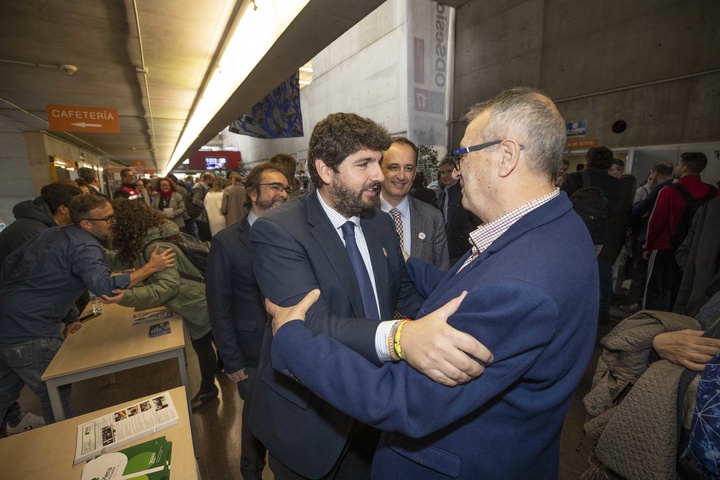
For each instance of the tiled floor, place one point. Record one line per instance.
(217, 424)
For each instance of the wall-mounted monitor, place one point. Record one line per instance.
(215, 163)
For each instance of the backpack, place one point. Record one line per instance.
(193, 210)
(195, 251)
(591, 204)
(693, 205)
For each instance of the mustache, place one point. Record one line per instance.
(376, 186)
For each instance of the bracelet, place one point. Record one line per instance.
(397, 335)
(391, 342)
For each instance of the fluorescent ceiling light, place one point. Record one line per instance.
(253, 36)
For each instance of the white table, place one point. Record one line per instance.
(108, 344)
(48, 452)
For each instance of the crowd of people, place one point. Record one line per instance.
(375, 326)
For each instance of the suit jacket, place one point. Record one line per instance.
(429, 241)
(459, 222)
(296, 249)
(178, 206)
(235, 302)
(536, 311)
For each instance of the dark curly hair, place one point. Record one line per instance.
(338, 136)
(132, 221)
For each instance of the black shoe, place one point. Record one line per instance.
(202, 398)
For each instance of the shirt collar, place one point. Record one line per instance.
(251, 217)
(403, 206)
(335, 217)
(482, 237)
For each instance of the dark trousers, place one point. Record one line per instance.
(252, 451)
(663, 283)
(606, 284)
(207, 360)
(203, 229)
(190, 228)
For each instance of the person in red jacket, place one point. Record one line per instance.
(664, 275)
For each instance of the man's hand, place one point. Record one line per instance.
(71, 328)
(239, 376)
(161, 261)
(119, 294)
(687, 348)
(282, 315)
(439, 351)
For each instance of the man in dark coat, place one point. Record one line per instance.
(237, 312)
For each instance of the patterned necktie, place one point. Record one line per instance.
(398, 224)
(363, 278)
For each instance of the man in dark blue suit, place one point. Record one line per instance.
(334, 239)
(236, 305)
(533, 308)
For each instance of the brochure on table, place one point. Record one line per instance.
(124, 425)
(151, 315)
(147, 461)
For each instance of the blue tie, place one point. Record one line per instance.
(361, 273)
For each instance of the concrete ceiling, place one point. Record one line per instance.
(180, 44)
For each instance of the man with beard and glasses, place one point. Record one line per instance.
(235, 302)
(333, 239)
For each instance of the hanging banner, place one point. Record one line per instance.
(430, 54)
(277, 115)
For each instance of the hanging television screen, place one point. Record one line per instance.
(215, 163)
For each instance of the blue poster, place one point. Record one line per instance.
(277, 115)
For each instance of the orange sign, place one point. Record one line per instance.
(591, 142)
(64, 118)
(139, 163)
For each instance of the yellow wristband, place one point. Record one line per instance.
(398, 333)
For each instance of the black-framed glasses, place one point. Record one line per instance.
(460, 153)
(277, 187)
(108, 219)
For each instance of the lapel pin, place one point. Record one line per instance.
(421, 235)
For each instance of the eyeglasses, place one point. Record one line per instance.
(459, 154)
(277, 187)
(108, 219)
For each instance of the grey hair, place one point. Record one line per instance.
(528, 116)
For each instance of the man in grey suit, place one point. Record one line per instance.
(420, 227)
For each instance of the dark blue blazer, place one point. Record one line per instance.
(532, 300)
(296, 249)
(237, 310)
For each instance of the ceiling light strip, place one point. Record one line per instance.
(253, 35)
(144, 73)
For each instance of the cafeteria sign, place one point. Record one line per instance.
(65, 118)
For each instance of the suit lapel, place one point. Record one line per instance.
(379, 262)
(245, 232)
(417, 225)
(333, 248)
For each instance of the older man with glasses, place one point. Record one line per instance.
(39, 284)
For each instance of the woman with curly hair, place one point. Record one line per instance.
(169, 201)
(137, 229)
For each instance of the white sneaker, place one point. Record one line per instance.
(28, 422)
